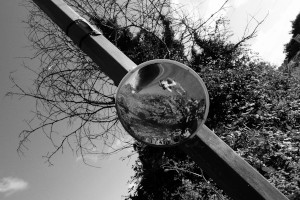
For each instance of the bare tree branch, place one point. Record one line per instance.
(74, 98)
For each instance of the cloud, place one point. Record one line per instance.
(10, 185)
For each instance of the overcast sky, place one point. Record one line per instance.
(28, 177)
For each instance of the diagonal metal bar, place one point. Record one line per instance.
(234, 175)
(112, 61)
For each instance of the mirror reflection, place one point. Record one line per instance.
(162, 102)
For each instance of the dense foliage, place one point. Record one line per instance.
(254, 108)
(293, 46)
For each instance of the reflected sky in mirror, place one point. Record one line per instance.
(162, 102)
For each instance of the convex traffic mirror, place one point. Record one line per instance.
(162, 102)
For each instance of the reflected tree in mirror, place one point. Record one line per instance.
(162, 102)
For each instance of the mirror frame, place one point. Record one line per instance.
(184, 67)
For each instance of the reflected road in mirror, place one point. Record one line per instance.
(162, 102)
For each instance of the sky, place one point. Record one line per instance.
(29, 177)
(272, 34)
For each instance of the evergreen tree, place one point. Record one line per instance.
(293, 46)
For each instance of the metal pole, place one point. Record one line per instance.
(237, 178)
(234, 175)
(107, 56)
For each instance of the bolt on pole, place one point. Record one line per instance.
(234, 175)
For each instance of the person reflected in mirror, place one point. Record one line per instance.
(171, 85)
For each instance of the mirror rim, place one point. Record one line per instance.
(185, 67)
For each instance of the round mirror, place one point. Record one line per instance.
(162, 102)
